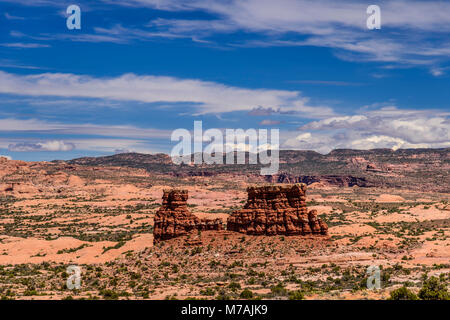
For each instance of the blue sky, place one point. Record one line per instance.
(139, 69)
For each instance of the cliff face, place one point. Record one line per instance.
(272, 210)
(340, 181)
(173, 219)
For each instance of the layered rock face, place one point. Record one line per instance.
(340, 181)
(272, 210)
(173, 219)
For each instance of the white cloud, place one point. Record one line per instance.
(42, 146)
(7, 157)
(310, 15)
(416, 126)
(326, 23)
(34, 2)
(12, 17)
(8, 63)
(307, 141)
(39, 126)
(22, 45)
(107, 145)
(335, 122)
(269, 122)
(437, 72)
(387, 127)
(98, 138)
(413, 32)
(208, 97)
(113, 145)
(393, 143)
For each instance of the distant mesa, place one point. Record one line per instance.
(412, 169)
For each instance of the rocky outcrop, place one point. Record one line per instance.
(339, 181)
(173, 218)
(193, 174)
(272, 210)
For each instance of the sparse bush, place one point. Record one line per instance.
(109, 294)
(296, 295)
(402, 293)
(246, 294)
(207, 292)
(434, 289)
(234, 286)
(279, 290)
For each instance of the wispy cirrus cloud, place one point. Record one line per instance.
(58, 128)
(328, 83)
(324, 23)
(115, 34)
(24, 45)
(8, 63)
(12, 17)
(413, 33)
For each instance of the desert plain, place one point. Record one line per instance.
(393, 213)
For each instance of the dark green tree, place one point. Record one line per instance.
(434, 289)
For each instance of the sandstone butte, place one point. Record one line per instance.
(270, 210)
(273, 210)
(173, 218)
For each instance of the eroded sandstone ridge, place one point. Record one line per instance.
(272, 210)
(173, 218)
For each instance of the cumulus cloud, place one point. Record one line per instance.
(7, 157)
(109, 145)
(307, 141)
(416, 126)
(261, 111)
(208, 97)
(388, 127)
(42, 146)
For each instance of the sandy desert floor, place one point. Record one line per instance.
(101, 220)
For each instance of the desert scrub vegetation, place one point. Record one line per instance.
(433, 288)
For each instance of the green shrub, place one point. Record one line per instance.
(279, 290)
(434, 289)
(208, 292)
(402, 293)
(234, 285)
(109, 294)
(296, 295)
(246, 294)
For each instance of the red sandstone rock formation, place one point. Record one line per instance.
(272, 210)
(173, 219)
